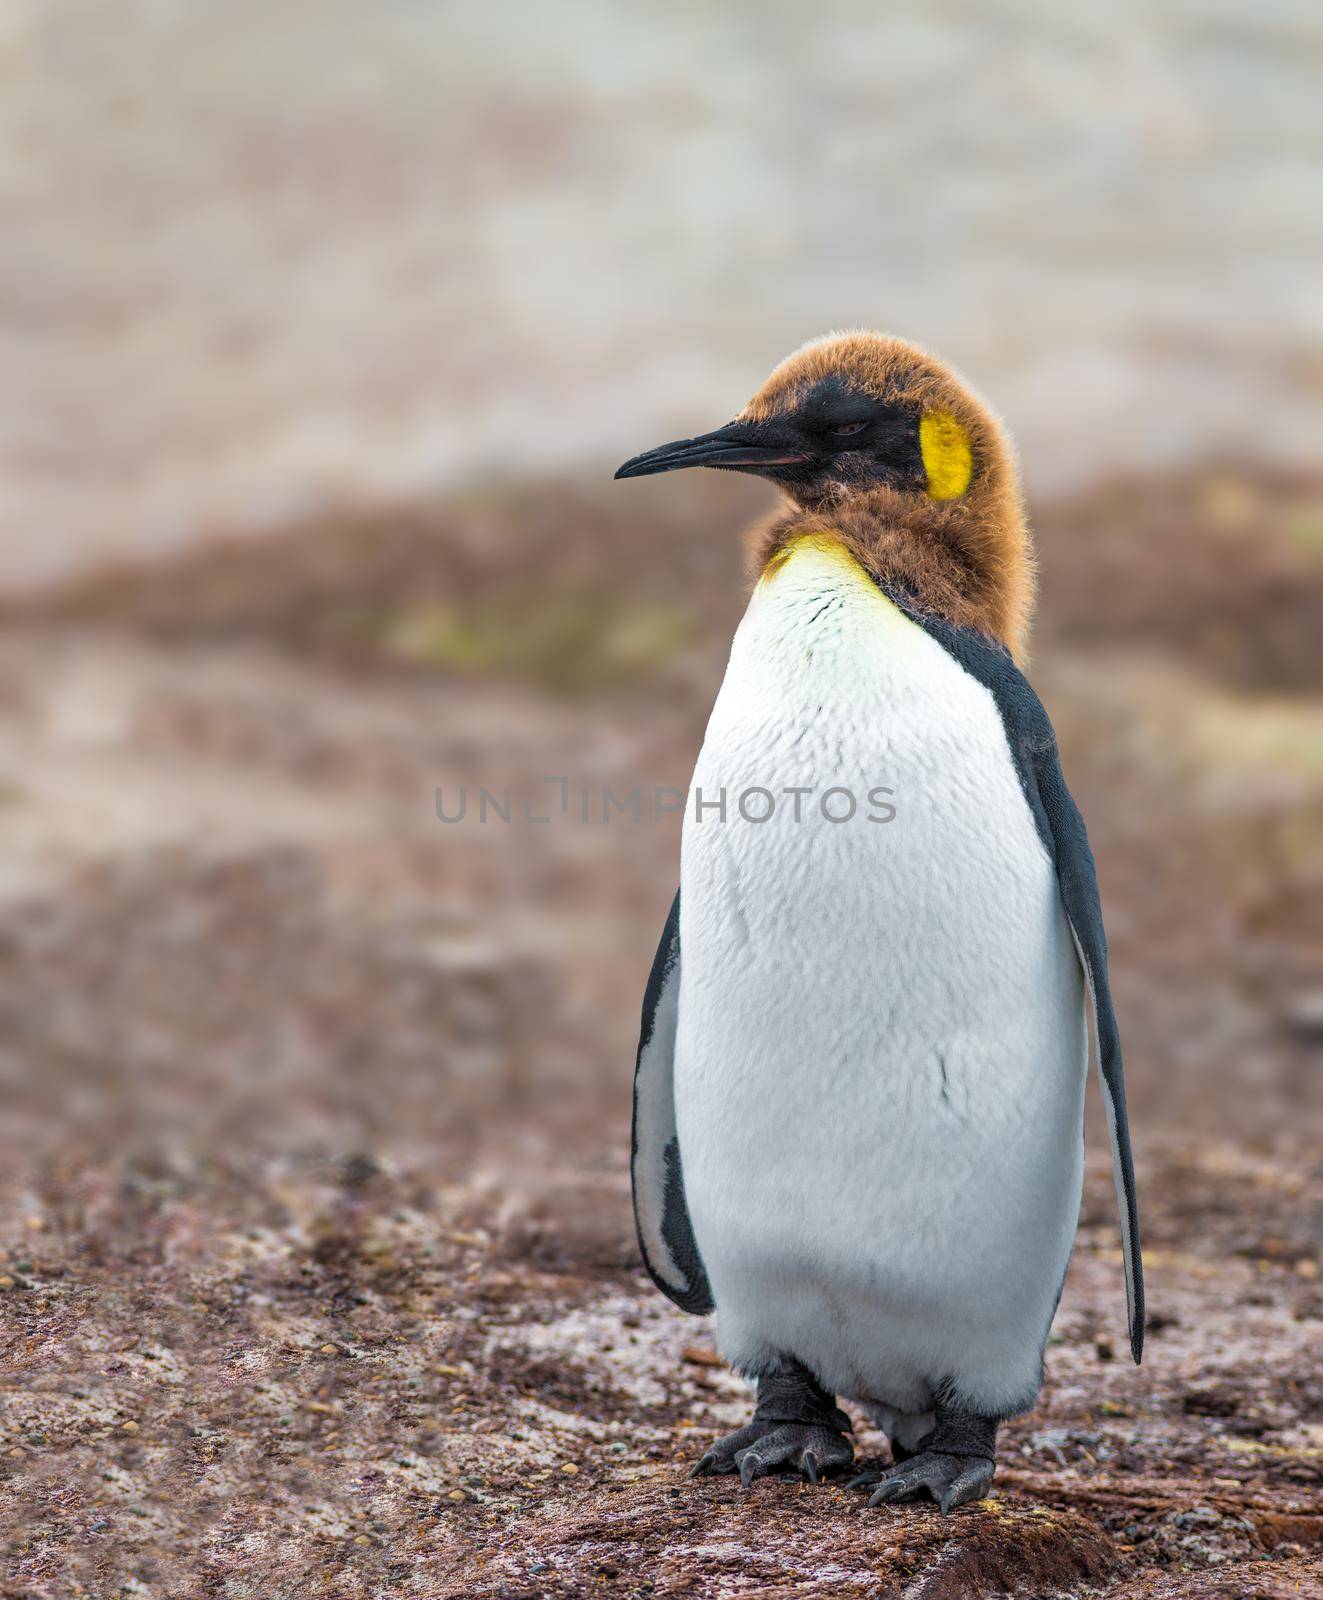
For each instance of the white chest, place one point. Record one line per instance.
(853, 770)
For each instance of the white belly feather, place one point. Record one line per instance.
(882, 1039)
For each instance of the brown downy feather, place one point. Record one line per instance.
(967, 559)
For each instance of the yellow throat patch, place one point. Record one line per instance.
(826, 552)
(947, 457)
(823, 544)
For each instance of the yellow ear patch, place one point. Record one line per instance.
(947, 457)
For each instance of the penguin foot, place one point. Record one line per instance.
(796, 1427)
(762, 1448)
(950, 1480)
(953, 1464)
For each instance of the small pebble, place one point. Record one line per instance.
(362, 1539)
(569, 1469)
(328, 1350)
(1304, 1016)
(129, 1427)
(6, 1282)
(457, 1494)
(1305, 1268)
(700, 1355)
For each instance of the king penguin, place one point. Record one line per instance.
(859, 1090)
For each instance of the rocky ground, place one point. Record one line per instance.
(317, 1273)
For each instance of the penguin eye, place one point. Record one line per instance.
(847, 428)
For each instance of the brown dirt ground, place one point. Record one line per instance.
(317, 1274)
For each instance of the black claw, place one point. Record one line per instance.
(749, 1464)
(864, 1479)
(970, 1485)
(703, 1468)
(809, 1466)
(888, 1490)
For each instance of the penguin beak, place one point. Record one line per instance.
(751, 446)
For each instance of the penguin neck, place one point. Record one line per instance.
(969, 562)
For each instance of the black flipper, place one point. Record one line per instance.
(1033, 747)
(666, 1235)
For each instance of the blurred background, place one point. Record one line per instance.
(322, 327)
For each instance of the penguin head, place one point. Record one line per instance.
(874, 439)
(850, 414)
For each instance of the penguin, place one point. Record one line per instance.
(859, 1087)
